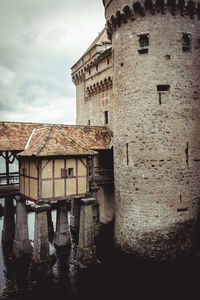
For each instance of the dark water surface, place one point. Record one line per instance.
(117, 277)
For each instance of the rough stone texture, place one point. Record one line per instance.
(62, 236)
(21, 245)
(41, 239)
(106, 200)
(8, 231)
(50, 225)
(75, 213)
(86, 252)
(156, 146)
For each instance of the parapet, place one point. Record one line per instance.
(120, 11)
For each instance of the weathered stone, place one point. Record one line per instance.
(41, 240)
(155, 125)
(21, 245)
(75, 213)
(62, 235)
(86, 252)
(8, 232)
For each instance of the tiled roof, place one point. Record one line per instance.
(14, 136)
(52, 141)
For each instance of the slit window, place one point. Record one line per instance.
(186, 42)
(163, 88)
(89, 72)
(106, 116)
(108, 61)
(97, 67)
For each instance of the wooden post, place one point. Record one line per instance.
(7, 167)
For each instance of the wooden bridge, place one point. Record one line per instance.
(9, 184)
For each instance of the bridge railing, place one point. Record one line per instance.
(101, 175)
(9, 179)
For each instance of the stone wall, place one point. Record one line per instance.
(92, 75)
(156, 133)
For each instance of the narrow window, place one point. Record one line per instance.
(143, 43)
(88, 122)
(127, 155)
(97, 67)
(186, 42)
(108, 61)
(70, 172)
(89, 72)
(106, 117)
(163, 87)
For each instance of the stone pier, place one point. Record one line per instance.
(62, 235)
(21, 245)
(94, 192)
(50, 225)
(86, 252)
(75, 213)
(8, 232)
(41, 238)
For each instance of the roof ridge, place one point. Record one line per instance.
(46, 138)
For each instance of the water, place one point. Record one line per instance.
(117, 277)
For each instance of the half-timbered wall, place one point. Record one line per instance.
(50, 179)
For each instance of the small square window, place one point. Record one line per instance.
(70, 172)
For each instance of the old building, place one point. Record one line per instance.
(92, 75)
(155, 114)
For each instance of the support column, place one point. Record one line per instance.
(62, 236)
(8, 232)
(50, 225)
(94, 192)
(86, 252)
(21, 245)
(41, 239)
(75, 213)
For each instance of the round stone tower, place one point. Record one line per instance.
(156, 109)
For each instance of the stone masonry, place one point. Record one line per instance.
(156, 113)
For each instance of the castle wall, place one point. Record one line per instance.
(156, 133)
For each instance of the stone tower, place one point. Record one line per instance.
(156, 109)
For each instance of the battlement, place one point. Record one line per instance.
(122, 11)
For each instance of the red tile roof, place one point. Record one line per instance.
(14, 136)
(52, 141)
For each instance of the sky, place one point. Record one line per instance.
(40, 40)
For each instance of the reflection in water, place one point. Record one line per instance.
(117, 277)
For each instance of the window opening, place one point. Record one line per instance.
(106, 116)
(143, 43)
(88, 122)
(97, 67)
(186, 42)
(163, 87)
(89, 72)
(70, 172)
(127, 155)
(108, 61)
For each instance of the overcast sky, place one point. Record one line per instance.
(39, 42)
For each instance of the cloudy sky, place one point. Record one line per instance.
(39, 42)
